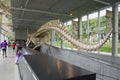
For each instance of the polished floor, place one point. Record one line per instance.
(8, 68)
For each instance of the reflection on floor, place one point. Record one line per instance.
(8, 68)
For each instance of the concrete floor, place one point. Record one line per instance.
(8, 68)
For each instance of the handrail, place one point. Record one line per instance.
(101, 61)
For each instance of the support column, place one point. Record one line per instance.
(61, 43)
(27, 36)
(72, 33)
(87, 31)
(51, 38)
(115, 30)
(80, 28)
(27, 30)
(66, 43)
(98, 28)
(54, 38)
(0, 34)
(3, 37)
(98, 25)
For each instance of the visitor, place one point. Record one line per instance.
(18, 54)
(4, 47)
(9, 44)
(13, 45)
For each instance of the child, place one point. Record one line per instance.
(13, 45)
(18, 54)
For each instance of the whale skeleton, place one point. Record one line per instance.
(57, 26)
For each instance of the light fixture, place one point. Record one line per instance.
(102, 2)
(21, 7)
(70, 14)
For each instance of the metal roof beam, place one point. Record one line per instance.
(102, 2)
(24, 7)
(40, 11)
(26, 20)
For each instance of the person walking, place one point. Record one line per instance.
(9, 44)
(13, 45)
(4, 47)
(18, 54)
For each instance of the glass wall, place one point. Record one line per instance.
(84, 25)
(105, 27)
(95, 26)
(119, 30)
(3, 37)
